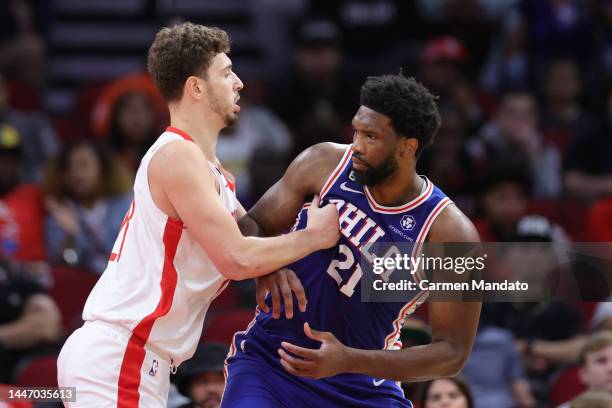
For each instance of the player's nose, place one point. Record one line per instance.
(238, 85)
(357, 145)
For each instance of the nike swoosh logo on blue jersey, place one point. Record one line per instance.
(345, 188)
(378, 382)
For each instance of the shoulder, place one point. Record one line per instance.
(322, 154)
(176, 156)
(315, 164)
(452, 225)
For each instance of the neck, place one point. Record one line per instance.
(203, 129)
(400, 188)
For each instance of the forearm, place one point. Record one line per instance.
(29, 331)
(560, 352)
(419, 363)
(260, 256)
(249, 227)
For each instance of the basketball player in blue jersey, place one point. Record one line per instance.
(338, 351)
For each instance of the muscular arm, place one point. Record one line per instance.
(177, 170)
(275, 212)
(453, 326)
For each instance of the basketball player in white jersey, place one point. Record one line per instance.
(179, 244)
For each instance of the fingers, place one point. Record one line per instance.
(305, 353)
(286, 293)
(293, 371)
(296, 366)
(276, 303)
(314, 334)
(298, 289)
(260, 295)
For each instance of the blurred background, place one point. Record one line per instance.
(525, 150)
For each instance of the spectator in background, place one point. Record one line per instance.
(442, 70)
(587, 165)
(446, 393)
(21, 204)
(494, 369)
(563, 118)
(29, 319)
(88, 194)
(504, 195)
(318, 101)
(201, 378)
(596, 363)
(133, 128)
(539, 30)
(128, 115)
(38, 138)
(513, 134)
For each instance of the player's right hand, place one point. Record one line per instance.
(323, 223)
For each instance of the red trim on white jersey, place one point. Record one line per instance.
(179, 132)
(129, 376)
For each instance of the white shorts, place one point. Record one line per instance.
(92, 359)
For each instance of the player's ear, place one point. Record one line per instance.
(194, 87)
(408, 146)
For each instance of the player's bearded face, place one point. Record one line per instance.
(375, 174)
(222, 106)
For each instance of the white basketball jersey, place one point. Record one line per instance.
(159, 282)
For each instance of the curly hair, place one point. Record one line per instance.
(181, 51)
(410, 106)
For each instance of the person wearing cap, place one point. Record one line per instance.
(442, 68)
(201, 378)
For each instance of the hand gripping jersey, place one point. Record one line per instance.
(331, 280)
(159, 282)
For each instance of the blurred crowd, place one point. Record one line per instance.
(525, 150)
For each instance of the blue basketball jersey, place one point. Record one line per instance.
(331, 280)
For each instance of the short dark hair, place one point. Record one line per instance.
(181, 51)
(410, 106)
(511, 170)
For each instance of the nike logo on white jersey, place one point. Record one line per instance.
(378, 382)
(350, 190)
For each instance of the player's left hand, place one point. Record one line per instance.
(330, 359)
(281, 285)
